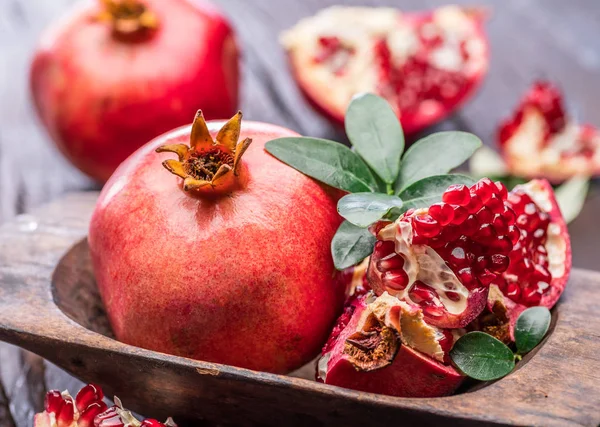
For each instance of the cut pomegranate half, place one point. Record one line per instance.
(383, 345)
(540, 262)
(88, 410)
(541, 140)
(425, 64)
(443, 258)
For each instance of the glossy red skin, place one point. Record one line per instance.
(411, 123)
(101, 98)
(558, 284)
(411, 374)
(246, 280)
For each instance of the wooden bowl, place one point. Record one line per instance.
(49, 304)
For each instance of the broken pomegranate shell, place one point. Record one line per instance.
(540, 261)
(425, 64)
(540, 139)
(442, 259)
(383, 345)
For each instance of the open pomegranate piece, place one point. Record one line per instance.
(88, 410)
(540, 262)
(383, 345)
(425, 64)
(442, 259)
(541, 140)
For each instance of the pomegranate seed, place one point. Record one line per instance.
(442, 213)
(458, 257)
(421, 293)
(457, 194)
(152, 423)
(523, 268)
(87, 395)
(474, 204)
(109, 418)
(501, 283)
(383, 248)
(501, 190)
(54, 402)
(450, 233)
(513, 234)
(436, 242)
(434, 311)
(509, 215)
(469, 226)
(531, 296)
(541, 274)
(485, 234)
(426, 226)
(418, 239)
(446, 343)
(460, 214)
(486, 277)
(481, 263)
(498, 263)
(495, 205)
(466, 276)
(484, 215)
(67, 414)
(502, 244)
(483, 188)
(500, 224)
(395, 280)
(86, 419)
(513, 291)
(391, 262)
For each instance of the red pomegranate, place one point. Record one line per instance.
(540, 262)
(541, 140)
(383, 345)
(442, 259)
(116, 73)
(88, 410)
(229, 263)
(425, 64)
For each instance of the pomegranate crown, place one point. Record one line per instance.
(128, 17)
(207, 164)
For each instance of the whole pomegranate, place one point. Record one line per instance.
(88, 410)
(540, 139)
(116, 73)
(426, 64)
(228, 261)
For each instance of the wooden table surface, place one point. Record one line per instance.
(529, 39)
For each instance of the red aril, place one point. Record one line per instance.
(540, 261)
(426, 64)
(540, 139)
(88, 410)
(226, 259)
(445, 267)
(116, 73)
(382, 345)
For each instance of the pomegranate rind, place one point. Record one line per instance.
(429, 111)
(411, 373)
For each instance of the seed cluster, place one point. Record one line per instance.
(86, 406)
(472, 229)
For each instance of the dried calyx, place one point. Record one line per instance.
(128, 17)
(209, 166)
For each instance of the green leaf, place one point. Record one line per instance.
(375, 132)
(436, 154)
(363, 209)
(350, 245)
(531, 327)
(429, 190)
(483, 357)
(327, 161)
(571, 196)
(487, 162)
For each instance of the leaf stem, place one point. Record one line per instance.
(389, 188)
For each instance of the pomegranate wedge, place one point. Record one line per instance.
(425, 64)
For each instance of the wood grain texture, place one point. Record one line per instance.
(57, 313)
(534, 38)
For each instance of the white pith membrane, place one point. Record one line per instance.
(529, 155)
(406, 321)
(556, 246)
(353, 69)
(422, 263)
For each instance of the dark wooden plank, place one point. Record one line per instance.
(548, 38)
